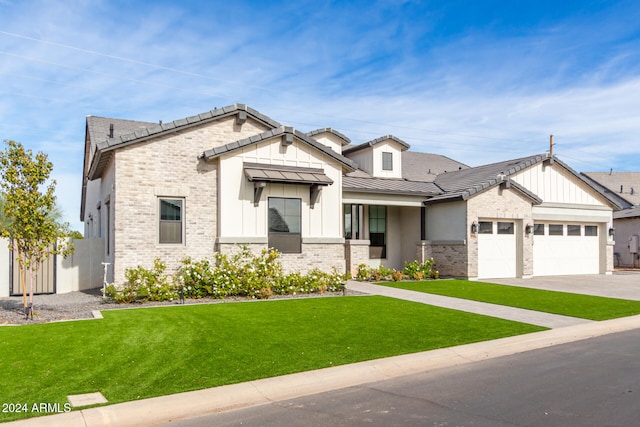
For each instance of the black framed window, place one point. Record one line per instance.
(556, 230)
(485, 227)
(505, 228)
(590, 230)
(171, 221)
(285, 220)
(538, 229)
(387, 161)
(353, 221)
(377, 231)
(573, 230)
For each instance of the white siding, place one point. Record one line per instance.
(553, 184)
(387, 147)
(240, 218)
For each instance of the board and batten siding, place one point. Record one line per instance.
(555, 185)
(239, 218)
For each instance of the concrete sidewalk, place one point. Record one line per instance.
(510, 313)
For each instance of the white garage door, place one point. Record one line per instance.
(496, 249)
(565, 249)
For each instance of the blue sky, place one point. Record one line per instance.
(478, 81)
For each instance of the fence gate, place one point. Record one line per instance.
(45, 281)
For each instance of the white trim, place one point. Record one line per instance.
(242, 240)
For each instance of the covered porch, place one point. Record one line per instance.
(383, 231)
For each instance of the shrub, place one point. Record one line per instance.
(418, 271)
(144, 285)
(241, 274)
(364, 273)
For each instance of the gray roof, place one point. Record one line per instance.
(624, 184)
(320, 131)
(482, 177)
(349, 164)
(627, 213)
(389, 185)
(426, 166)
(138, 133)
(98, 128)
(353, 148)
(465, 183)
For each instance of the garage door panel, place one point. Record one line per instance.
(496, 252)
(565, 254)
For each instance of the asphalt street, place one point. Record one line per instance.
(594, 382)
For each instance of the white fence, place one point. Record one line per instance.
(79, 271)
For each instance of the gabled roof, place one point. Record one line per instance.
(320, 131)
(282, 131)
(480, 178)
(462, 184)
(354, 148)
(98, 128)
(625, 185)
(106, 145)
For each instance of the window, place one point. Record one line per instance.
(505, 228)
(538, 229)
(107, 212)
(573, 230)
(556, 230)
(285, 219)
(485, 227)
(353, 221)
(590, 230)
(387, 161)
(377, 232)
(171, 221)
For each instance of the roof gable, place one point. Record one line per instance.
(341, 137)
(352, 149)
(105, 147)
(285, 132)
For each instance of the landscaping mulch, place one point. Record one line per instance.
(80, 305)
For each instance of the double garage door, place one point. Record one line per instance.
(558, 249)
(565, 249)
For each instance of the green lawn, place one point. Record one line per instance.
(583, 306)
(136, 354)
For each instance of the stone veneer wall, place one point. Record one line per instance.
(169, 167)
(323, 256)
(356, 252)
(450, 258)
(499, 204)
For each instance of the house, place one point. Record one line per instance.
(623, 186)
(207, 183)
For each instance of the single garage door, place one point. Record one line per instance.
(496, 249)
(565, 249)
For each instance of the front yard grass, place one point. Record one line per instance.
(568, 304)
(141, 353)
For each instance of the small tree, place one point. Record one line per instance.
(29, 219)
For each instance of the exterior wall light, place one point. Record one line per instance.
(528, 228)
(474, 228)
(612, 231)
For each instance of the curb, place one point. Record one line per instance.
(193, 404)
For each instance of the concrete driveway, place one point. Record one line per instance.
(623, 284)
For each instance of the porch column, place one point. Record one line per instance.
(356, 253)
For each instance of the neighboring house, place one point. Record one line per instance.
(230, 176)
(623, 186)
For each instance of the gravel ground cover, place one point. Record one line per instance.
(80, 305)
